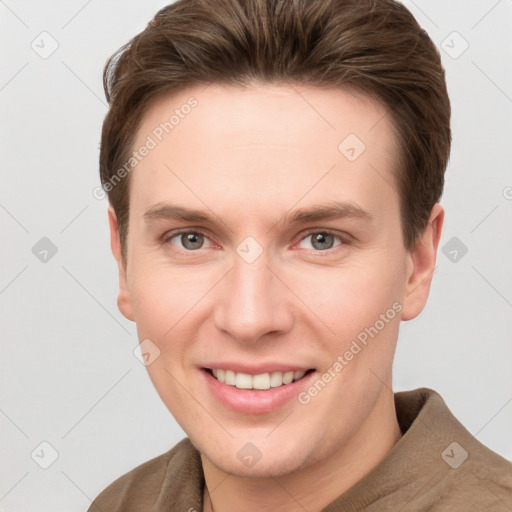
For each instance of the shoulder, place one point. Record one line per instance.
(483, 481)
(140, 488)
(465, 474)
(477, 477)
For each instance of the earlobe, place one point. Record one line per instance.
(123, 298)
(421, 265)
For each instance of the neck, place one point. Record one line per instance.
(314, 487)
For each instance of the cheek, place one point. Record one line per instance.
(161, 297)
(352, 296)
(163, 300)
(171, 305)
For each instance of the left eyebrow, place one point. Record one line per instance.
(324, 212)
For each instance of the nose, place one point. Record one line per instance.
(252, 302)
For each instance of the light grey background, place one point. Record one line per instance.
(68, 373)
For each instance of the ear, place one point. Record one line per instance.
(123, 298)
(421, 264)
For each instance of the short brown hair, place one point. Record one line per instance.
(372, 46)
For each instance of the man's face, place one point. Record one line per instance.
(258, 289)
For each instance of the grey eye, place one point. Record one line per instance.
(191, 240)
(321, 241)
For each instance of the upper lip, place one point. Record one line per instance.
(256, 369)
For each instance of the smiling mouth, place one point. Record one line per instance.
(261, 382)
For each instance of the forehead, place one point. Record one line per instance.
(262, 143)
(259, 111)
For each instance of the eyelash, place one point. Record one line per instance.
(344, 240)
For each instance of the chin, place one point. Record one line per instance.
(268, 458)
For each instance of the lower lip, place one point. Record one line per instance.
(250, 401)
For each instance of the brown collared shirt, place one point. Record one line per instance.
(436, 466)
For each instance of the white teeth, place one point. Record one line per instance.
(276, 379)
(287, 377)
(260, 381)
(243, 381)
(230, 378)
(297, 375)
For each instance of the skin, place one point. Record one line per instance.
(248, 156)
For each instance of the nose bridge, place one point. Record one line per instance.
(252, 302)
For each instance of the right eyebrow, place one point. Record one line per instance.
(176, 212)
